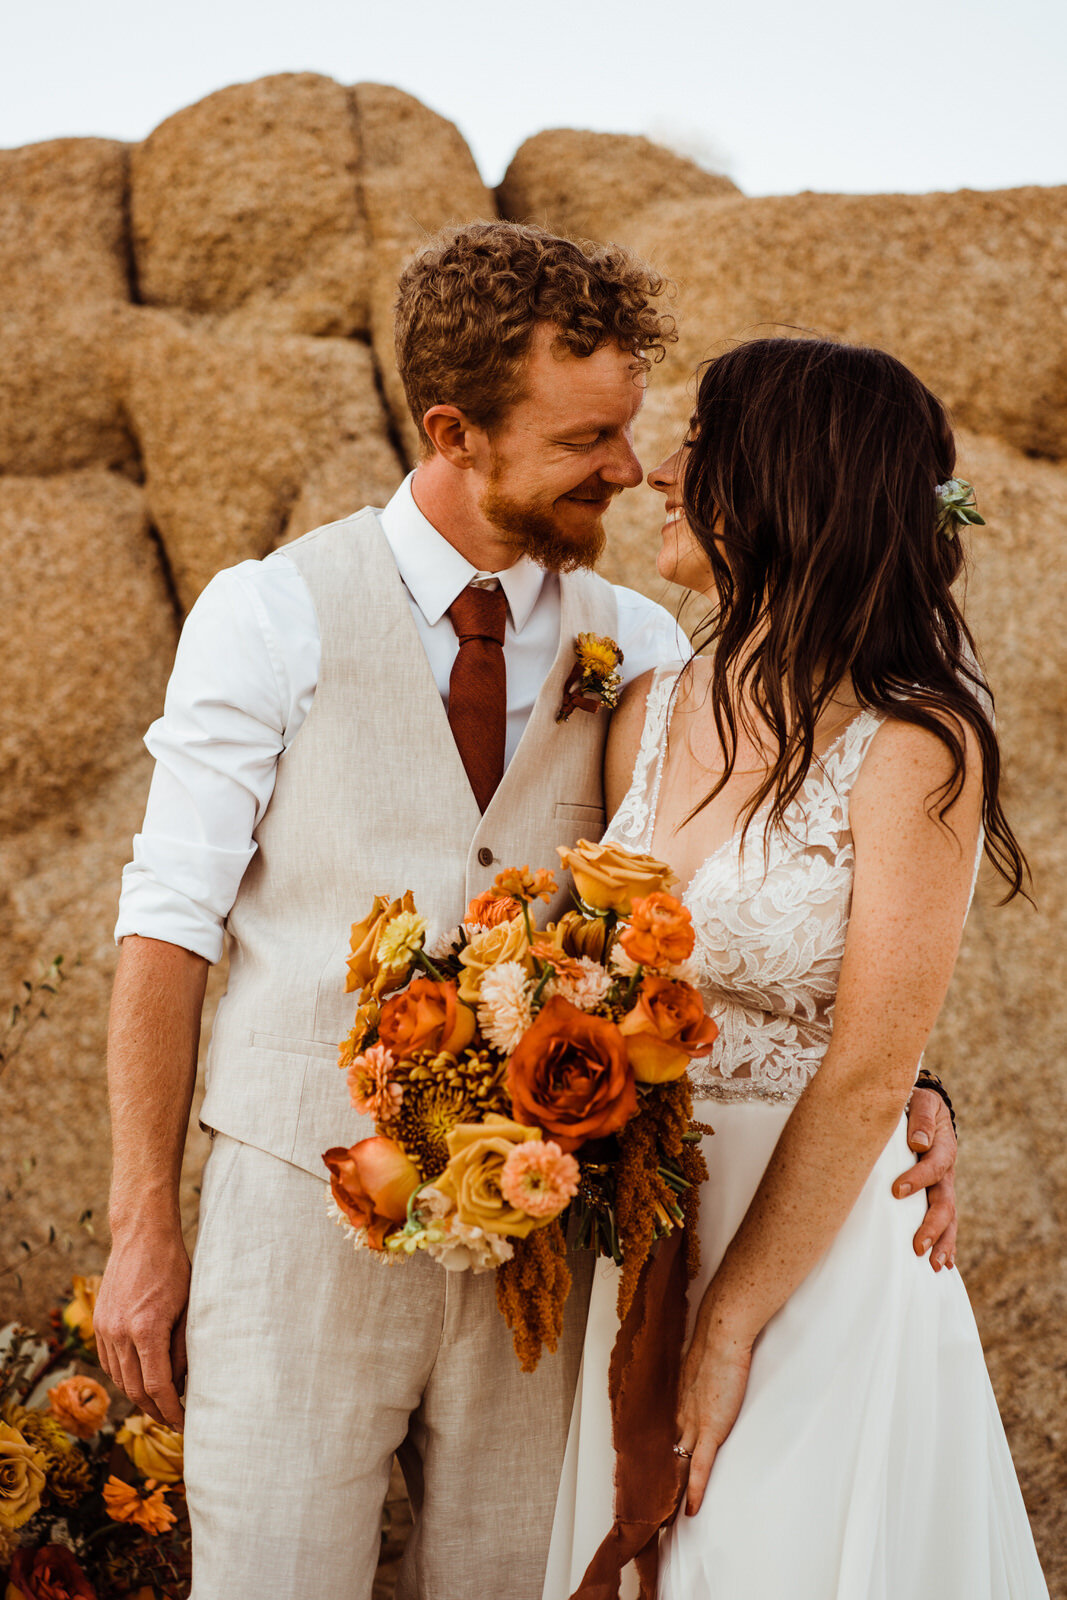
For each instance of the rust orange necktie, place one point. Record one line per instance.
(477, 689)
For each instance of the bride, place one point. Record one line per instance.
(823, 783)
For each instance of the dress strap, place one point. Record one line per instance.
(635, 819)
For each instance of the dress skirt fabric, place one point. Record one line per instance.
(868, 1461)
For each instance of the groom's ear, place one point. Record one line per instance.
(454, 436)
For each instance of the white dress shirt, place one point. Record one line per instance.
(243, 680)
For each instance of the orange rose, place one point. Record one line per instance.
(570, 1076)
(365, 973)
(80, 1405)
(372, 1184)
(48, 1572)
(608, 878)
(78, 1312)
(489, 909)
(660, 933)
(667, 1027)
(427, 1016)
(155, 1450)
(22, 1479)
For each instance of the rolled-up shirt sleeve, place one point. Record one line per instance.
(243, 678)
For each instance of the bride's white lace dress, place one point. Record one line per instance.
(868, 1461)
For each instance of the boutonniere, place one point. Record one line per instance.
(594, 680)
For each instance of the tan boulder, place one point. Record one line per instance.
(417, 176)
(586, 184)
(248, 202)
(231, 427)
(64, 265)
(89, 633)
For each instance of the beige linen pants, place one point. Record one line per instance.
(311, 1364)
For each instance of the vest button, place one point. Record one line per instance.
(485, 856)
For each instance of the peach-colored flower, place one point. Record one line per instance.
(585, 984)
(610, 878)
(372, 1183)
(365, 971)
(477, 1153)
(539, 1179)
(504, 1006)
(78, 1312)
(155, 1450)
(571, 1077)
(660, 932)
(506, 942)
(22, 1478)
(372, 1092)
(125, 1504)
(522, 884)
(80, 1405)
(489, 909)
(666, 1029)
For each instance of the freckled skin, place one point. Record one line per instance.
(911, 889)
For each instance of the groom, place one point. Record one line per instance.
(371, 709)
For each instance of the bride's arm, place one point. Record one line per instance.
(624, 740)
(912, 884)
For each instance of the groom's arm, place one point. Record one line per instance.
(154, 1032)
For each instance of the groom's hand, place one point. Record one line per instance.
(931, 1136)
(139, 1321)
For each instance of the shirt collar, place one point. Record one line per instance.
(434, 572)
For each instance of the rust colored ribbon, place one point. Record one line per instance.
(646, 1365)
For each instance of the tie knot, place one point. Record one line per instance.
(478, 613)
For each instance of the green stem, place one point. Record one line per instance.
(423, 960)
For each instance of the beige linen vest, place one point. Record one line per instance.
(371, 798)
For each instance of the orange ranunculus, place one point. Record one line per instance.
(666, 1029)
(427, 1016)
(489, 909)
(569, 1075)
(372, 1184)
(22, 1478)
(78, 1312)
(660, 933)
(125, 1504)
(155, 1450)
(80, 1405)
(49, 1572)
(609, 878)
(365, 972)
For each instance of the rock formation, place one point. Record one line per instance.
(196, 364)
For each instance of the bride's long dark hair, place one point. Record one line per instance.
(810, 475)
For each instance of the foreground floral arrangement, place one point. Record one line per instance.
(90, 1507)
(515, 1073)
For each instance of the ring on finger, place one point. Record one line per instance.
(680, 1450)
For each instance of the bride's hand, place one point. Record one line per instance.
(714, 1380)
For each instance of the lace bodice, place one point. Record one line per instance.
(770, 920)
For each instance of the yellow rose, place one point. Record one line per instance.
(579, 936)
(472, 1178)
(365, 972)
(154, 1449)
(78, 1313)
(506, 942)
(609, 878)
(22, 1476)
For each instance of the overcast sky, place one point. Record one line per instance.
(838, 95)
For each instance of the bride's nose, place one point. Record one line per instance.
(664, 477)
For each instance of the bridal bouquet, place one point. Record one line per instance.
(515, 1072)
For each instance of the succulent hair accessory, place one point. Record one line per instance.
(594, 680)
(956, 507)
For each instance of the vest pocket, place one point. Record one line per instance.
(580, 821)
(316, 1048)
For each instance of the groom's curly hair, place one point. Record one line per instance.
(468, 304)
